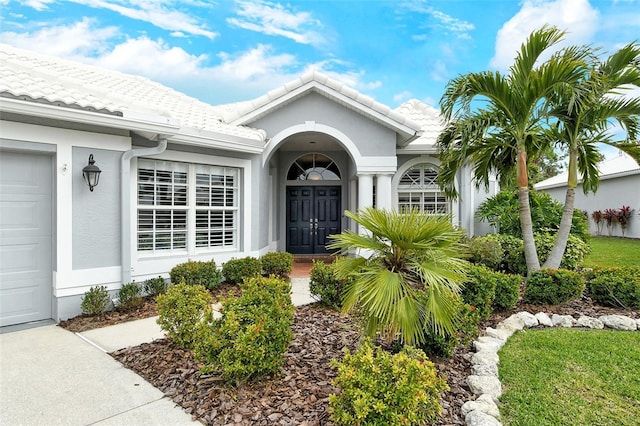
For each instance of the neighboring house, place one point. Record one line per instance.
(619, 185)
(183, 180)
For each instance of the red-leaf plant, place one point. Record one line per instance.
(598, 219)
(611, 218)
(623, 215)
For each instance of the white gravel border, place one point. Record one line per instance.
(484, 381)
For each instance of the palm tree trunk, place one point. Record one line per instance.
(524, 210)
(559, 246)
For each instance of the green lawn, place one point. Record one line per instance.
(575, 377)
(611, 251)
(571, 377)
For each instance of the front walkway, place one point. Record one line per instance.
(50, 376)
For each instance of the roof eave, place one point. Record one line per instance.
(195, 137)
(604, 177)
(408, 130)
(140, 123)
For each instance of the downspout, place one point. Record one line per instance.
(125, 201)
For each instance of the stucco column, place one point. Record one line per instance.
(365, 190)
(365, 195)
(383, 192)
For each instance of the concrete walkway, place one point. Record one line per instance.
(50, 376)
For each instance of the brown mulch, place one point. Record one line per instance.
(299, 394)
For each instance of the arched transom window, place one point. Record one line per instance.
(418, 188)
(313, 167)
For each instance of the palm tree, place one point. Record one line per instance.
(583, 120)
(495, 121)
(409, 280)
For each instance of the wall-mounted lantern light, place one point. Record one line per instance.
(91, 173)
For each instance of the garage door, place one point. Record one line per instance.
(26, 182)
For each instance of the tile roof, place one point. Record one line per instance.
(313, 81)
(427, 116)
(41, 78)
(620, 165)
(32, 76)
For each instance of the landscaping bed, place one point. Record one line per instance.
(299, 394)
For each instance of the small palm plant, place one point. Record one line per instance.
(408, 278)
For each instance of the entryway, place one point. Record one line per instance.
(26, 187)
(313, 213)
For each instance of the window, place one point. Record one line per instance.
(418, 188)
(313, 167)
(173, 195)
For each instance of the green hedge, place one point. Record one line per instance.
(324, 284)
(197, 273)
(252, 336)
(553, 286)
(235, 271)
(377, 388)
(181, 310)
(619, 287)
(278, 263)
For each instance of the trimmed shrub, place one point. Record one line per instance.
(479, 289)
(574, 254)
(616, 286)
(324, 284)
(237, 270)
(194, 272)
(130, 296)
(181, 309)
(513, 261)
(252, 336)
(513, 250)
(278, 263)
(487, 251)
(490, 291)
(377, 388)
(155, 286)
(553, 286)
(507, 291)
(95, 301)
(501, 211)
(467, 330)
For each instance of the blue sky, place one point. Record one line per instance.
(228, 51)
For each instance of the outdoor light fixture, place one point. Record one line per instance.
(91, 173)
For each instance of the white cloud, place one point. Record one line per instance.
(154, 59)
(159, 13)
(578, 17)
(225, 77)
(440, 20)
(402, 96)
(438, 70)
(273, 19)
(76, 41)
(38, 5)
(255, 63)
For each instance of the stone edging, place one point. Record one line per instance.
(484, 381)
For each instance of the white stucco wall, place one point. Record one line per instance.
(612, 194)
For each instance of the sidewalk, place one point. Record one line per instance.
(50, 376)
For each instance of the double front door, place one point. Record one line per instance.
(313, 213)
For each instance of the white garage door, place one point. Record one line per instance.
(26, 182)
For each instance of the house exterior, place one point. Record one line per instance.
(183, 180)
(619, 185)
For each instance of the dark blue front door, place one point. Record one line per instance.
(313, 213)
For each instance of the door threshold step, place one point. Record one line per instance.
(309, 258)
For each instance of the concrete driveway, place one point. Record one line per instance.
(50, 376)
